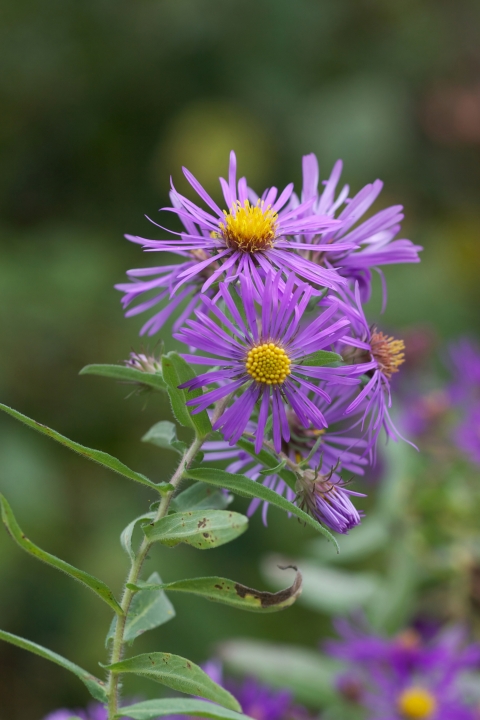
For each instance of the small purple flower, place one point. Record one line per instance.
(374, 237)
(465, 365)
(407, 677)
(377, 356)
(467, 434)
(261, 356)
(257, 700)
(324, 495)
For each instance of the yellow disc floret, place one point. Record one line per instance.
(417, 703)
(249, 228)
(268, 364)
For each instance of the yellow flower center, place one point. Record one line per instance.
(416, 703)
(268, 364)
(388, 353)
(249, 228)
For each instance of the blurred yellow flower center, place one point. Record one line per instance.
(388, 353)
(416, 703)
(249, 228)
(268, 364)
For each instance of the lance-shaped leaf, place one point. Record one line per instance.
(176, 371)
(126, 374)
(322, 358)
(229, 592)
(98, 587)
(269, 460)
(164, 435)
(245, 487)
(149, 609)
(151, 709)
(306, 672)
(95, 687)
(204, 529)
(102, 458)
(201, 497)
(178, 674)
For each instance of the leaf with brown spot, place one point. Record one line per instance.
(177, 673)
(231, 593)
(204, 529)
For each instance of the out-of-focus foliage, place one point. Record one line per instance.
(101, 103)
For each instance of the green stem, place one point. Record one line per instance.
(136, 567)
(133, 576)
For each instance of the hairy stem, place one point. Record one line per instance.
(136, 567)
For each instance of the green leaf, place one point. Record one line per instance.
(307, 673)
(269, 460)
(329, 590)
(322, 358)
(164, 435)
(367, 538)
(178, 674)
(149, 609)
(96, 455)
(127, 374)
(95, 687)
(126, 536)
(249, 488)
(204, 529)
(275, 470)
(200, 496)
(176, 371)
(97, 586)
(229, 592)
(151, 709)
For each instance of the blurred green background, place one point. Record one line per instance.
(101, 102)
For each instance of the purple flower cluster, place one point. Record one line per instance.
(407, 677)
(464, 395)
(270, 293)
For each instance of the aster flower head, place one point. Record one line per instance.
(374, 238)
(264, 355)
(377, 357)
(408, 677)
(252, 235)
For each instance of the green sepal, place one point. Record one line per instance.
(164, 435)
(177, 371)
(241, 485)
(97, 586)
(126, 374)
(98, 456)
(322, 358)
(203, 529)
(152, 709)
(275, 470)
(200, 496)
(149, 609)
(177, 673)
(229, 592)
(95, 687)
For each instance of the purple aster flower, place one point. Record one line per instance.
(252, 236)
(465, 365)
(377, 356)
(261, 356)
(324, 495)
(95, 711)
(408, 677)
(257, 700)
(373, 238)
(467, 434)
